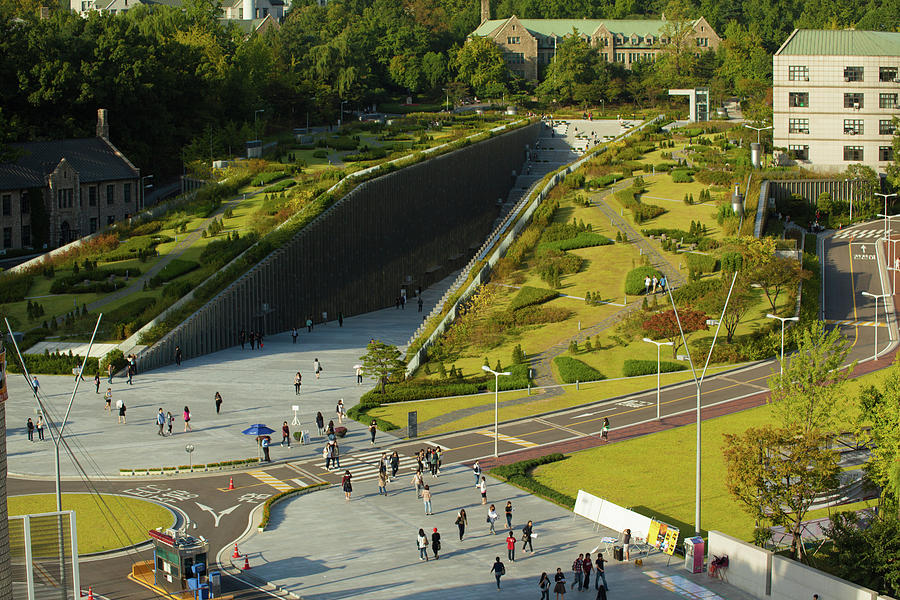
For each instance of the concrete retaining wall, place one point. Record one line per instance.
(749, 566)
(792, 580)
(840, 189)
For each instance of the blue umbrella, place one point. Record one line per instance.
(258, 430)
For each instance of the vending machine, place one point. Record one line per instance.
(694, 549)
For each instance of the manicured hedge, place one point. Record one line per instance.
(701, 263)
(633, 367)
(679, 235)
(520, 474)
(281, 185)
(14, 287)
(605, 180)
(174, 269)
(129, 311)
(634, 281)
(267, 508)
(52, 364)
(98, 278)
(572, 370)
(681, 176)
(404, 392)
(691, 292)
(531, 296)
(517, 380)
(266, 177)
(582, 240)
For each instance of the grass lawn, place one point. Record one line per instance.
(98, 527)
(659, 479)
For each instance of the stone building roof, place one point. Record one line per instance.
(563, 27)
(841, 42)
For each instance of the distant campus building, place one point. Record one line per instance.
(835, 94)
(55, 192)
(529, 45)
(249, 15)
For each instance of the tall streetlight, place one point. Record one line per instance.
(496, 401)
(876, 297)
(782, 319)
(144, 188)
(256, 121)
(758, 130)
(885, 196)
(658, 346)
(341, 121)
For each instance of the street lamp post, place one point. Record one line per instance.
(256, 121)
(782, 319)
(658, 346)
(876, 297)
(758, 130)
(496, 401)
(341, 121)
(885, 215)
(144, 188)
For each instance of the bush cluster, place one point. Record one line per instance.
(176, 268)
(266, 177)
(640, 211)
(97, 280)
(56, 363)
(681, 176)
(14, 287)
(520, 474)
(531, 296)
(572, 370)
(634, 280)
(582, 240)
(634, 367)
(701, 263)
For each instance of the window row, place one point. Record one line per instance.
(7, 236)
(851, 126)
(851, 74)
(6, 202)
(851, 153)
(65, 197)
(854, 100)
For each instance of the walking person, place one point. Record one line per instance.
(108, 397)
(382, 482)
(326, 454)
(604, 432)
(421, 303)
(171, 419)
(600, 570)
(461, 522)
(242, 338)
(320, 423)
(359, 374)
(35, 385)
(29, 425)
(285, 435)
(252, 339)
(97, 383)
(309, 325)
(395, 464)
(264, 442)
(340, 410)
(329, 431)
(346, 484)
(436, 544)
(499, 570)
(559, 587)
(161, 421)
(422, 545)
(586, 567)
(109, 372)
(317, 367)
(482, 487)
(544, 584)
(626, 544)
(186, 415)
(492, 519)
(476, 470)
(129, 370)
(40, 427)
(218, 399)
(373, 428)
(426, 498)
(340, 319)
(508, 510)
(178, 355)
(418, 484)
(511, 546)
(335, 454)
(294, 334)
(577, 571)
(121, 406)
(259, 340)
(298, 380)
(527, 534)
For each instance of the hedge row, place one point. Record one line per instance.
(52, 364)
(634, 367)
(689, 293)
(404, 392)
(520, 474)
(98, 278)
(266, 177)
(15, 287)
(176, 268)
(582, 240)
(634, 281)
(517, 379)
(572, 370)
(267, 508)
(681, 176)
(281, 185)
(531, 296)
(674, 234)
(701, 263)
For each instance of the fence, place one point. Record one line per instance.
(521, 221)
(44, 556)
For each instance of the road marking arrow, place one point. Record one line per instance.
(213, 513)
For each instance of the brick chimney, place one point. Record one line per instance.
(102, 124)
(485, 10)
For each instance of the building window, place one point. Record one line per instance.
(853, 101)
(887, 101)
(110, 194)
(798, 125)
(110, 219)
(798, 73)
(126, 192)
(512, 40)
(620, 57)
(7, 237)
(887, 74)
(886, 127)
(92, 195)
(853, 153)
(799, 152)
(93, 224)
(24, 207)
(7, 205)
(26, 235)
(798, 99)
(703, 42)
(64, 198)
(853, 126)
(605, 56)
(885, 153)
(853, 73)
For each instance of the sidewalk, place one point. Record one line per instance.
(366, 548)
(257, 386)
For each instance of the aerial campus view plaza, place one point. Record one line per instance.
(600, 306)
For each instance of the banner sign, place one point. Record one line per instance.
(662, 536)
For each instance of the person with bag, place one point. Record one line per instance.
(436, 544)
(508, 510)
(476, 469)
(422, 545)
(317, 367)
(577, 571)
(382, 482)
(560, 587)
(326, 455)
(347, 485)
(426, 498)
(373, 429)
(482, 487)
(320, 423)
(395, 464)
(527, 533)
(418, 483)
(341, 412)
(511, 546)
(492, 518)
(499, 570)
(298, 381)
(604, 431)
(187, 419)
(544, 584)
(461, 522)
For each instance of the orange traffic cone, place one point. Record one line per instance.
(231, 483)
(90, 593)
(246, 564)
(236, 553)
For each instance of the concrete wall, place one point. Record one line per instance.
(6, 575)
(749, 566)
(840, 189)
(792, 580)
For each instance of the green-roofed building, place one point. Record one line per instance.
(835, 93)
(530, 44)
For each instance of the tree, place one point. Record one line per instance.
(406, 71)
(382, 361)
(777, 474)
(893, 169)
(577, 74)
(776, 275)
(481, 65)
(866, 553)
(742, 300)
(664, 325)
(806, 396)
(880, 408)
(675, 63)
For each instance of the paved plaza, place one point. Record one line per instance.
(320, 546)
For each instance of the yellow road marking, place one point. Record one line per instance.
(507, 438)
(268, 479)
(853, 296)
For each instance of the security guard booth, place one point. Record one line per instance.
(174, 556)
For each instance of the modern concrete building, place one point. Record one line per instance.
(529, 45)
(835, 94)
(55, 192)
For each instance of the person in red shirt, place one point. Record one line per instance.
(511, 546)
(586, 566)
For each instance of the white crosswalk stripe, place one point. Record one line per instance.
(364, 465)
(859, 233)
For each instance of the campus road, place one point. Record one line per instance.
(222, 515)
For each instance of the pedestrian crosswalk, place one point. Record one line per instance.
(273, 481)
(859, 234)
(364, 465)
(853, 323)
(507, 438)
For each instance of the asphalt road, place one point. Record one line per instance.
(222, 515)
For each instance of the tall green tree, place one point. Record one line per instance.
(382, 362)
(481, 66)
(576, 75)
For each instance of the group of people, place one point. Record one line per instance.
(168, 419)
(651, 284)
(255, 338)
(581, 577)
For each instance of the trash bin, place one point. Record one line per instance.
(693, 554)
(215, 583)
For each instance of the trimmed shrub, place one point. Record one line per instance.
(701, 263)
(51, 364)
(517, 380)
(679, 235)
(572, 370)
(14, 287)
(634, 281)
(582, 240)
(174, 269)
(116, 357)
(281, 186)
(681, 176)
(690, 293)
(402, 392)
(266, 177)
(634, 367)
(519, 474)
(531, 296)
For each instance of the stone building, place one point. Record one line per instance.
(529, 45)
(55, 192)
(835, 94)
